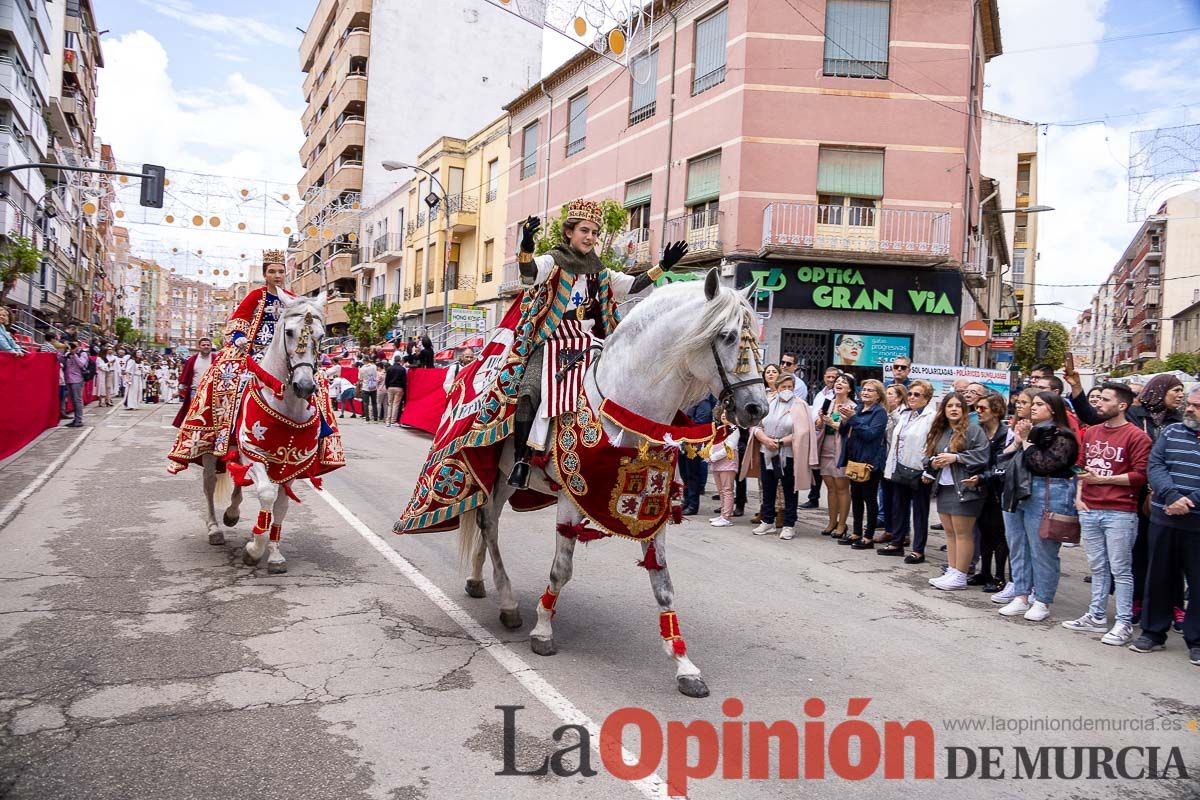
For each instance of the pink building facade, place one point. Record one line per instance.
(840, 172)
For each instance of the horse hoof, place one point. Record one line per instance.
(692, 685)
(543, 647)
(249, 560)
(230, 519)
(475, 588)
(511, 618)
(279, 568)
(216, 537)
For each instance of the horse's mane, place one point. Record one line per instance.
(728, 308)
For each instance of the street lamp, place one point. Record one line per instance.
(431, 201)
(1026, 210)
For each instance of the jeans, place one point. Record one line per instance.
(694, 472)
(887, 490)
(814, 492)
(908, 502)
(1108, 538)
(770, 485)
(1172, 551)
(370, 403)
(76, 391)
(1035, 564)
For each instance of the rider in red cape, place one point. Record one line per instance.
(570, 300)
(210, 423)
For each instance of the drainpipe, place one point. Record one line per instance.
(970, 129)
(670, 130)
(549, 136)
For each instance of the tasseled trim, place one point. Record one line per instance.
(668, 627)
(317, 482)
(580, 532)
(276, 530)
(540, 461)
(238, 472)
(263, 522)
(287, 488)
(650, 561)
(549, 599)
(676, 503)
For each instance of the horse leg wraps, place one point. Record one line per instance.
(549, 599)
(668, 626)
(263, 523)
(276, 531)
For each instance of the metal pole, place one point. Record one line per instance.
(446, 269)
(425, 270)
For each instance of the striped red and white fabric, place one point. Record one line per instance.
(560, 395)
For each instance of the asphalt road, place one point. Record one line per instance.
(137, 661)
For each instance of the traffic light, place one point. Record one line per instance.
(153, 179)
(1043, 345)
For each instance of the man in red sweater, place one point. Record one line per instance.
(1112, 471)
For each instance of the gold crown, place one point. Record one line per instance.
(585, 210)
(273, 257)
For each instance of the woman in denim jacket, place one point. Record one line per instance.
(955, 450)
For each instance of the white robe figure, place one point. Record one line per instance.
(134, 385)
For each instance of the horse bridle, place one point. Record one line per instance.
(747, 351)
(303, 342)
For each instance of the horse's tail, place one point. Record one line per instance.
(223, 493)
(470, 535)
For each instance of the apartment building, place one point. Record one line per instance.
(455, 249)
(191, 310)
(1010, 157)
(25, 33)
(809, 148)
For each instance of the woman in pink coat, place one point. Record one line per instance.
(784, 439)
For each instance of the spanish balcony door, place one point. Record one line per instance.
(847, 223)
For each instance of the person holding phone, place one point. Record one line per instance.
(825, 393)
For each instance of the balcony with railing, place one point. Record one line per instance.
(510, 279)
(637, 247)
(387, 247)
(835, 230)
(702, 232)
(464, 212)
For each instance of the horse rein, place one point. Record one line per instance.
(747, 352)
(302, 344)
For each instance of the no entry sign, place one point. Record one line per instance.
(974, 333)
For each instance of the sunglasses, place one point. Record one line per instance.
(788, 363)
(916, 394)
(899, 366)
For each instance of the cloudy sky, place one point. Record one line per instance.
(214, 86)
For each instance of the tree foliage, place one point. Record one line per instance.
(1153, 367)
(124, 329)
(1184, 362)
(18, 257)
(1025, 349)
(613, 221)
(372, 330)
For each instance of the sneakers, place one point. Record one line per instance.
(1037, 612)
(1004, 595)
(1178, 612)
(1121, 634)
(720, 522)
(1145, 644)
(1194, 656)
(1088, 624)
(952, 581)
(1015, 608)
(764, 527)
(787, 533)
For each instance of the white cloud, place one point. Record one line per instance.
(1039, 85)
(246, 29)
(234, 128)
(1169, 75)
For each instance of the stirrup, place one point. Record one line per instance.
(519, 477)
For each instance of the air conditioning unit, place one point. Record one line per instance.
(728, 269)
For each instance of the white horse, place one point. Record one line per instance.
(291, 359)
(678, 345)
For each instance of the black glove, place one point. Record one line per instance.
(672, 253)
(529, 229)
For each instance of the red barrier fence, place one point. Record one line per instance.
(28, 399)
(424, 400)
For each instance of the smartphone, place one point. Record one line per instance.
(825, 406)
(1069, 364)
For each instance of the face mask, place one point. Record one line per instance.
(787, 395)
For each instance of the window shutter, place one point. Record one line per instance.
(577, 123)
(529, 148)
(856, 38)
(710, 51)
(857, 173)
(644, 93)
(704, 179)
(637, 192)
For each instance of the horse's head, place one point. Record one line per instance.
(301, 325)
(719, 351)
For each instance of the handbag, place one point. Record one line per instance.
(1055, 527)
(857, 471)
(903, 474)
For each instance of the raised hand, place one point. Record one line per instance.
(672, 253)
(529, 229)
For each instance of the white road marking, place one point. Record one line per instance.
(14, 505)
(652, 787)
